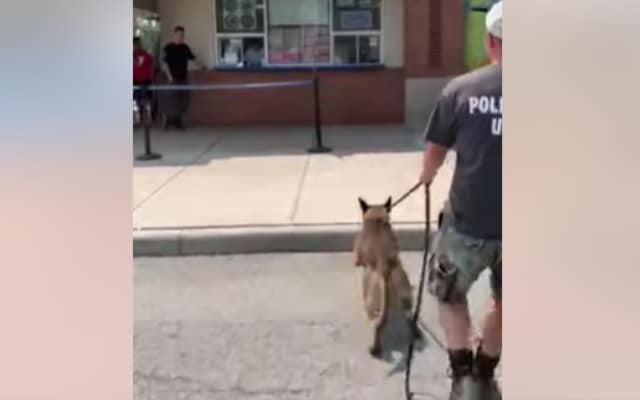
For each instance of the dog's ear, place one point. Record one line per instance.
(387, 205)
(363, 205)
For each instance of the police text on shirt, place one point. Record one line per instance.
(488, 105)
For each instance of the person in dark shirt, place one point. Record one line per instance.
(177, 55)
(468, 119)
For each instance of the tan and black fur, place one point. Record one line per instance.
(384, 279)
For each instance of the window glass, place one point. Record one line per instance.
(345, 50)
(299, 32)
(240, 16)
(253, 33)
(241, 51)
(369, 49)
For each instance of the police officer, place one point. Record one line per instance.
(468, 120)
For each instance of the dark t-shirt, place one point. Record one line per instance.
(468, 118)
(177, 56)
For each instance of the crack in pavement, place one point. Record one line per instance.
(179, 172)
(207, 388)
(300, 188)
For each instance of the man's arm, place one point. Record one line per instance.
(165, 65)
(434, 155)
(439, 136)
(199, 64)
(192, 58)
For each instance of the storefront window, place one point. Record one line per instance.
(298, 32)
(240, 16)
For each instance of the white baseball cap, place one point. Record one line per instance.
(494, 20)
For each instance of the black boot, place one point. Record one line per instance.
(461, 362)
(484, 367)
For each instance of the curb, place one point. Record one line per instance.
(177, 242)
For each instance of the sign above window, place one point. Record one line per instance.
(355, 21)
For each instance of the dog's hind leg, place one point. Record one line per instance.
(369, 292)
(381, 284)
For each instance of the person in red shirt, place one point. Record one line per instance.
(143, 72)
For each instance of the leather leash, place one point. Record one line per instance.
(406, 195)
(414, 323)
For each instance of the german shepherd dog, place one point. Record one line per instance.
(376, 249)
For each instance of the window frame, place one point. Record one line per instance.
(333, 33)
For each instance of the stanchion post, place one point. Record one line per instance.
(318, 146)
(146, 121)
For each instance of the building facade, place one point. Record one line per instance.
(378, 61)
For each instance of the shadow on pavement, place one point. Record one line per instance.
(201, 146)
(395, 339)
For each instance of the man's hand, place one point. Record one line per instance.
(426, 178)
(167, 72)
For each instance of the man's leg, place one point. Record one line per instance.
(183, 104)
(488, 354)
(137, 96)
(172, 109)
(145, 103)
(456, 264)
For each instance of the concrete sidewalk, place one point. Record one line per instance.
(257, 190)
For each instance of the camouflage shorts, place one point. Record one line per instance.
(457, 261)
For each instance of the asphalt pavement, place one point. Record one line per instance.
(273, 326)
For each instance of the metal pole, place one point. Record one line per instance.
(318, 146)
(146, 118)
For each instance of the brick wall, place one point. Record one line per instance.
(347, 97)
(434, 38)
